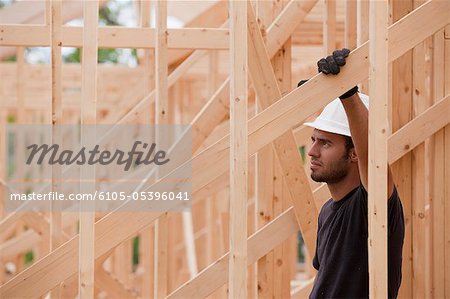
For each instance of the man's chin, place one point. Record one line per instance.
(317, 179)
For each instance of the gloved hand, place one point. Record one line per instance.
(331, 64)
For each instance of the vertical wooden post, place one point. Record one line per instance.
(402, 169)
(350, 24)
(56, 61)
(363, 32)
(161, 118)
(147, 235)
(281, 280)
(238, 151)
(56, 27)
(420, 171)
(447, 167)
(20, 143)
(438, 174)
(264, 181)
(378, 163)
(329, 27)
(88, 117)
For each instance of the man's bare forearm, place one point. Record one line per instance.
(358, 119)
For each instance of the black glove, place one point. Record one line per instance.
(301, 82)
(331, 64)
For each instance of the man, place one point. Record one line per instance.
(339, 156)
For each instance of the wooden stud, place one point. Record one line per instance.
(401, 170)
(264, 181)
(237, 279)
(438, 175)
(350, 24)
(88, 117)
(118, 37)
(378, 162)
(447, 167)
(146, 236)
(57, 114)
(161, 118)
(329, 27)
(363, 33)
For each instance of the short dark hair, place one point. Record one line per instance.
(348, 143)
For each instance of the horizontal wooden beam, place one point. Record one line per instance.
(116, 37)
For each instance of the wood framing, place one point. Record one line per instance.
(254, 210)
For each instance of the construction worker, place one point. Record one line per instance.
(339, 156)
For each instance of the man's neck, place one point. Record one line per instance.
(342, 188)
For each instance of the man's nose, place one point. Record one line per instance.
(313, 151)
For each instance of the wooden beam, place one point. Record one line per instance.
(264, 170)
(350, 24)
(447, 166)
(401, 169)
(57, 114)
(378, 150)
(88, 117)
(438, 175)
(237, 279)
(116, 37)
(329, 27)
(161, 118)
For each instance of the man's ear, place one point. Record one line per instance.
(353, 155)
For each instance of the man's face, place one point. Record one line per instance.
(329, 158)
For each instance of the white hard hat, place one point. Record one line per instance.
(333, 118)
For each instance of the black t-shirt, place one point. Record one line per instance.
(341, 250)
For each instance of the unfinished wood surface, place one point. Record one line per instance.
(237, 279)
(437, 176)
(88, 117)
(378, 150)
(447, 166)
(264, 174)
(329, 27)
(401, 169)
(123, 228)
(350, 24)
(281, 197)
(161, 118)
(56, 61)
(117, 37)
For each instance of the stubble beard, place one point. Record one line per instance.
(335, 172)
